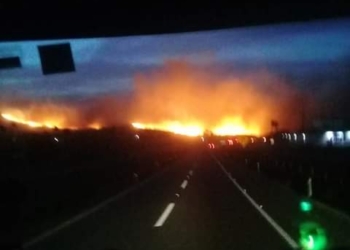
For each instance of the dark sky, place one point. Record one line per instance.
(314, 56)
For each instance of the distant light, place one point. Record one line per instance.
(209, 145)
(329, 135)
(295, 136)
(252, 139)
(304, 136)
(272, 141)
(202, 138)
(340, 134)
(305, 206)
(289, 137)
(213, 145)
(55, 138)
(137, 137)
(348, 135)
(264, 139)
(282, 135)
(230, 142)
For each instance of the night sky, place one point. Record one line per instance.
(314, 56)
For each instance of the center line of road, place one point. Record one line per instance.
(271, 221)
(164, 215)
(184, 184)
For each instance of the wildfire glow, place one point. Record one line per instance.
(235, 127)
(176, 97)
(172, 126)
(95, 126)
(183, 99)
(49, 123)
(29, 123)
(225, 128)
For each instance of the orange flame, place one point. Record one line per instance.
(182, 99)
(30, 123)
(95, 126)
(227, 127)
(46, 122)
(231, 126)
(172, 126)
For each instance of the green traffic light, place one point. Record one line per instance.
(305, 206)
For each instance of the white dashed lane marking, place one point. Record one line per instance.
(184, 184)
(165, 215)
(171, 206)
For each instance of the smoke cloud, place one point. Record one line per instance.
(183, 92)
(176, 91)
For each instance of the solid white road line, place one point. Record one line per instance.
(184, 184)
(88, 212)
(164, 215)
(271, 221)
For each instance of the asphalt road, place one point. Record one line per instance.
(205, 200)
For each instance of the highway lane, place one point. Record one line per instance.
(283, 204)
(213, 214)
(123, 222)
(207, 212)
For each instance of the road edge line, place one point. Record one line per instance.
(330, 209)
(267, 217)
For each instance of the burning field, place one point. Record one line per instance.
(177, 97)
